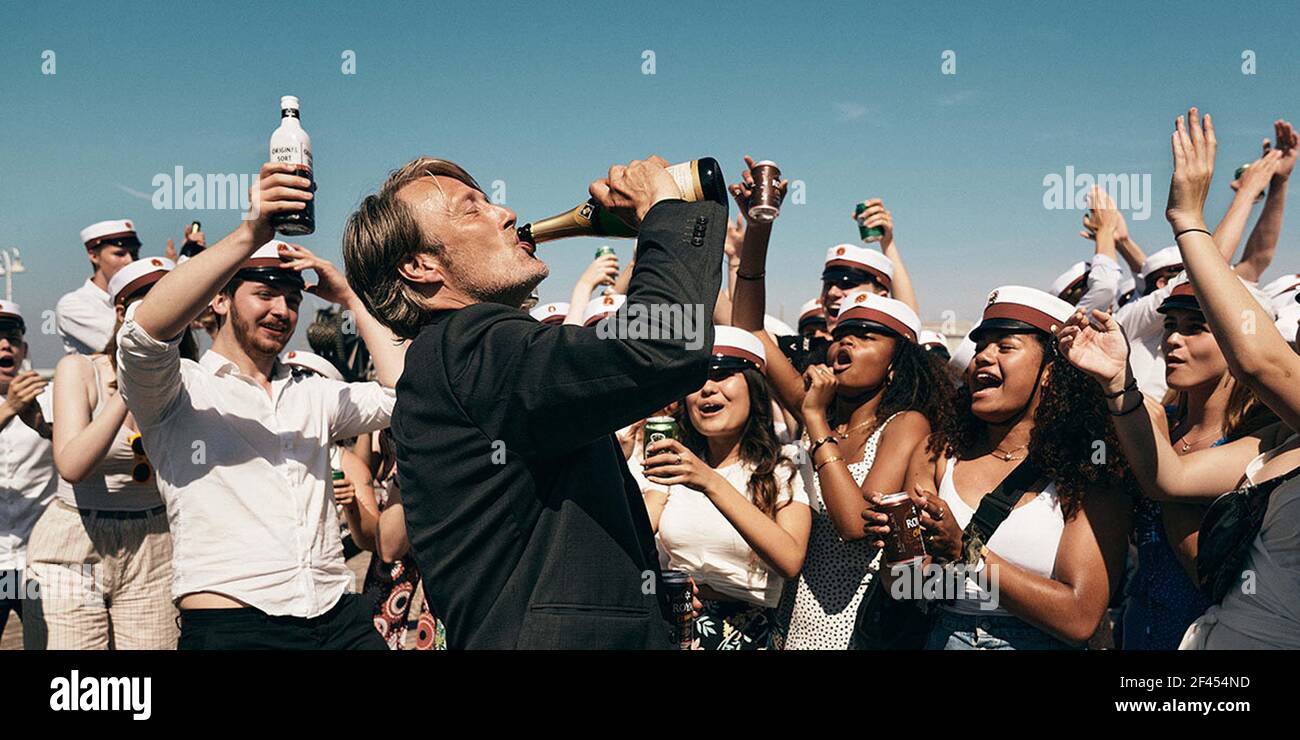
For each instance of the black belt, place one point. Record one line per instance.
(108, 514)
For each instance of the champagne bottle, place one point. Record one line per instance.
(290, 143)
(698, 179)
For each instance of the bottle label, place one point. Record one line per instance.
(686, 175)
(292, 154)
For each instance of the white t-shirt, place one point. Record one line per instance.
(696, 538)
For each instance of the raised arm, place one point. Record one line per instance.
(387, 352)
(877, 215)
(1100, 350)
(520, 377)
(1103, 276)
(1257, 354)
(1262, 244)
(183, 294)
(601, 271)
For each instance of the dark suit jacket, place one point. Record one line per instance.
(528, 529)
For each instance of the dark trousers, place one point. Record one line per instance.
(349, 625)
(11, 596)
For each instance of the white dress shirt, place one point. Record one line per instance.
(1103, 285)
(246, 475)
(1145, 328)
(85, 319)
(27, 484)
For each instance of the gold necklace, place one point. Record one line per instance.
(845, 434)
(1185, 445)
(1008, 456)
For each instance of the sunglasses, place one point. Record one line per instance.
(142, 472)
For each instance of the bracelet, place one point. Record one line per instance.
(817, 445)
(759, 276)
(826, 462)
(1136, 406)
(1188, 231)
(1132, 386)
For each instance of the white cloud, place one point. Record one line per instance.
(134, 193)
(850, 111)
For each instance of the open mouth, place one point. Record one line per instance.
(984, 383)
(278, 330)
(7, 363)
(528, 247)
(711, 408)
(842, 361)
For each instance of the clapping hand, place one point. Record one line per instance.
(1194, 147)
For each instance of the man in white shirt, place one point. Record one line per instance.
(241, 445)
(27, 479)
(85, 317)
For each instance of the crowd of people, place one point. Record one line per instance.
(1106, 462)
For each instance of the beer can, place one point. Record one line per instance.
(657, 428)
(868, 234)
(337, 475)
(605, 250)
(765, 200)
(681, 619)
(1241, 171)
(903, 544)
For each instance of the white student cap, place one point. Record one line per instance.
(928, 337)
(812, 313)
(862, 308)
(313, 362)
(137, 277)
(266, 266)
(1167, 257)
(962, 356)
(602, 306)
(1071, 278)
(1017, 308)
(1184, 296)
(10, 313)
(736, 349)
(97, 233)
(858, 262)
(550, 313)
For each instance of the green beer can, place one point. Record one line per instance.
(871, 234)
(657, 428)
(605, 250)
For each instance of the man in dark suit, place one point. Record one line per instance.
(526, 525)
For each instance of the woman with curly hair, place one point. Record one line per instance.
(736, 515)
(1045, 576)
(862, 414)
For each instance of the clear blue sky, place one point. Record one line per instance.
(847, 97)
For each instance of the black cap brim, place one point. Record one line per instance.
(1012, 326)
(272, 276)
(840, 272)
(1184, 302)
(727, 362)
(872, 326)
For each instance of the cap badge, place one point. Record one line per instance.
(993, 298)
(839, 252)
(156, 262)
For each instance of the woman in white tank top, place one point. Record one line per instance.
(1044, 578)
(1258, 356)
(102, 550)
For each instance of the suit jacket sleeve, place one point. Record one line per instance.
(546, 389)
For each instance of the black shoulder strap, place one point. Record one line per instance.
(997, 505)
